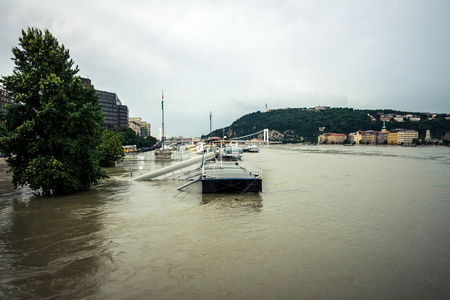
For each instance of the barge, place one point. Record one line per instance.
(230, 176)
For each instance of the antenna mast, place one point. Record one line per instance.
(162, 108)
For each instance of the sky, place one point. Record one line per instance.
(233, 58)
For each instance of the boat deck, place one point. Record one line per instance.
(230, 177)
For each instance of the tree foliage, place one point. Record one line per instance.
(51, 132)
(128, 137)
(111, 150)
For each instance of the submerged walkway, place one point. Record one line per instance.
(174, 167)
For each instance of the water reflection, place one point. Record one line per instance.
(53, 246)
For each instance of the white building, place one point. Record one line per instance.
(406, 137)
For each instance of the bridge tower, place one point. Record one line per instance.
(266, 136)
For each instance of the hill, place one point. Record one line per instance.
(301, 124)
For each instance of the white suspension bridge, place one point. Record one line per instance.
(265, 136)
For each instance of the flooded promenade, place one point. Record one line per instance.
(332, 222)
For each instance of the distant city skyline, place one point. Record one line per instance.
(233, 57)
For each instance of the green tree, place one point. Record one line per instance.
(110, 148)
(52, 130)
(127, 136)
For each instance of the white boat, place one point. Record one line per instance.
(233, 152)
(251, 148)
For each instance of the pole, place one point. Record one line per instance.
(210, 129)
(162, 119)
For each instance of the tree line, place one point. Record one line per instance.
(300, 125)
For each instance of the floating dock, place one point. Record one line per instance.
(225, 177)
(217, 176)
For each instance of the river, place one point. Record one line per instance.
(332, 222)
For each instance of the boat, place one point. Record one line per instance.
(163, 153)
(251, 148)
(230, 176)
(232, 152)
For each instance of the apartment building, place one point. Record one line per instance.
(332, 138)
(369, 137)
(144, 127)
(392, 137)
(406, 137)
(402, 137)
(133, 124)
(355, 137)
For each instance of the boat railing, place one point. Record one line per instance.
(257, 172)
(220, 164)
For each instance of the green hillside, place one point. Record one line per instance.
(296, 125)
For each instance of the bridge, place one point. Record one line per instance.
(268, 137)
(265, 136)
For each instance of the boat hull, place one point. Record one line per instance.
(232, 185)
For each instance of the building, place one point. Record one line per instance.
(319, 108)
(386, 118)
(332, 138)
(402, 137)
(392, 137)
(369, 137)
(355, 137)
(133, 124)
(383, 135)
(399, 118)
(122, 112)
(115, 113)
(144, 127)
(406, 137)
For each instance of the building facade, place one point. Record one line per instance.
(392, 137)
(369, 137)
(402, 137)
(382, 137)
(406, 137)
(115, 113)
(135, 126)
(355, 137)
(144, 129)
(332, 138)
(122, 112)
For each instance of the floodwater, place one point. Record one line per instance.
(332, 222)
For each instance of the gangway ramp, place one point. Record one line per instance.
(175, 167)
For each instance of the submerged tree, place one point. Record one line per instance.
(110, 148)
(52, 130)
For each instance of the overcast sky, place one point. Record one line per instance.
(233, 57)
